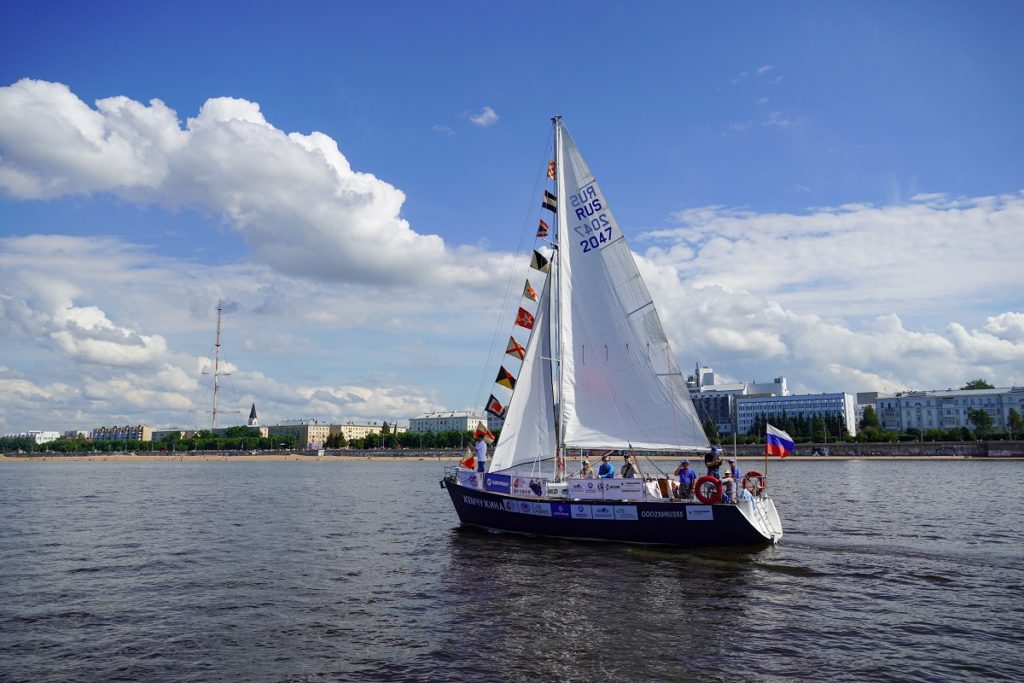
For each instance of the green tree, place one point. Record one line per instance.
(336, 441)
(1015, 423)
(817, 428)
(981, 420)
(975, 384)
(870, 419)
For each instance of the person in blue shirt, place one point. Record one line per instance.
(686, 479)
(607, 469)
(734, 471)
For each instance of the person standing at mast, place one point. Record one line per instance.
(481, 454)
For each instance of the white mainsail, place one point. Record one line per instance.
(528, 435)
(620, 385)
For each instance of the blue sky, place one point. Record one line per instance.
(830, 192)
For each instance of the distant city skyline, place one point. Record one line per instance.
(833, 194)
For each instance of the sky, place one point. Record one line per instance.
(830, 192)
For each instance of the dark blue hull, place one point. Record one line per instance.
(656, 523)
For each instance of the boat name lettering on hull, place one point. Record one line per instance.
(480, 502)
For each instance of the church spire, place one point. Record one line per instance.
(253, 422)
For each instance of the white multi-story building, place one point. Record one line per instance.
(452, 421)
(716, 401)
(40, 437)
(748, 408)
(948, 409)
(350, 430)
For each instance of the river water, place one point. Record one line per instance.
(357, 571)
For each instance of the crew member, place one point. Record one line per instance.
(713, 460)
(481, 455)
(687, 477)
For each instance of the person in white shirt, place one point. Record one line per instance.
(481, 455)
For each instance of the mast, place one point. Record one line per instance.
(555, 306)
(216, 369)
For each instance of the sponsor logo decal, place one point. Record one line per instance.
(581, 512)
(541, 509)
(586, 489)
(603, 512)
(471, 480)
(625, 512)
(499, 483)
(562, 510)
(699, 513)
(529, 487)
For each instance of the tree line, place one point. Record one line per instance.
(231, 439)
(242, 439)
(388, 438)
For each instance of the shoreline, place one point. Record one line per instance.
(296, 457)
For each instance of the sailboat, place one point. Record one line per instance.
(597, 376)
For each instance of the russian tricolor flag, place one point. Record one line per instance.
(778, 442)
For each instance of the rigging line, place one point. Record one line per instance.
(548, 144)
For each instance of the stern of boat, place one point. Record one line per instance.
(763, 516)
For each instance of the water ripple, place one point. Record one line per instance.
(359, 572)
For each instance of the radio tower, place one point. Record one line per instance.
(216, 369)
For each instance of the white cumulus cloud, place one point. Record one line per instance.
(486, 117)
(822, 296)
(293, 197)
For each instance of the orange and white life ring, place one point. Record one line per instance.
(754, 482)
(703, 497)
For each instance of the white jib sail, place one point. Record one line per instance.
(621, 386)
(528, 435)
